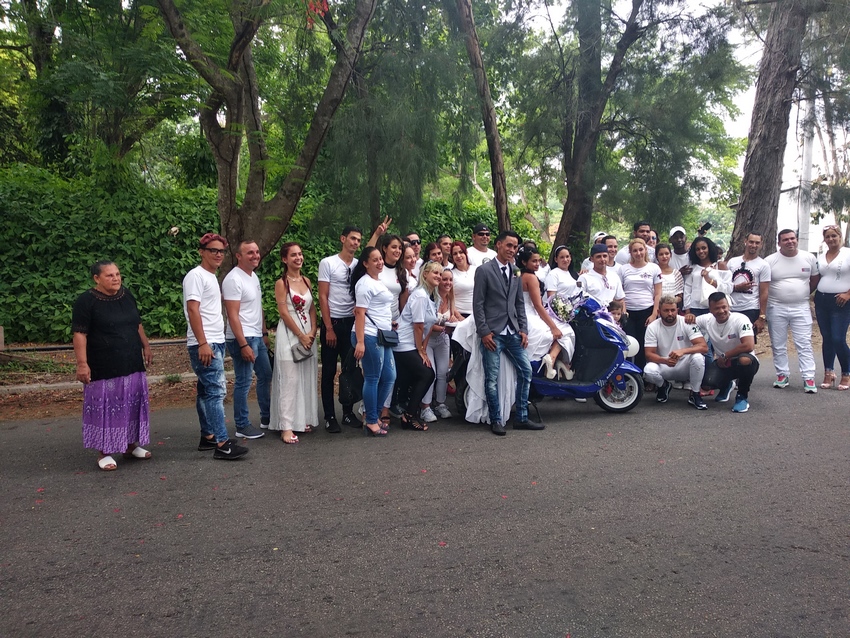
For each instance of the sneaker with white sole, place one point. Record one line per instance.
(428, 415)
(809, 386)
(724, 394)
(442, 411)
(782, 381)
(696, 400)
(229, 451)
(249, 432)
(741, 404)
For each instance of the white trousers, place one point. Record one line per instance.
(797, 318)
(689, 368)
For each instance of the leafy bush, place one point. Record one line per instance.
(54, 229)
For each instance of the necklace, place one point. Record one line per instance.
(293, 278)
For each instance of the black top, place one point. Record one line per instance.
(111, 326)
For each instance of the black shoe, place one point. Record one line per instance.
(207, 444)
(528, 425)
(663, 392)
(229, 451)
(498, 429)
(351, 421)
(332, 426)
(696, 400)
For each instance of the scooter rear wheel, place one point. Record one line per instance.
(612, 399)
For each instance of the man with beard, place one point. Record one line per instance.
(674, 352)
(750, 282)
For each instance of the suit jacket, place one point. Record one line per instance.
(496, 304)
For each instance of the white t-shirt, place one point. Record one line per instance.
(623, 256)
(835, 276)
(725, 336)
(543, 272)
(332, 270)
(389, 277)
(476, 257)
(639, 285)
(464, 283)
(561, 282)
(693, 292)
(603, 289)
(755, 271)
(244, 287)
(789, 277)
(201, 285)
(378, 301)
(668, 338)
(420, 308)
(680, 261)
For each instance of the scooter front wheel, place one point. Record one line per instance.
(613, 399)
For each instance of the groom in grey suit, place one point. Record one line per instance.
(501, 323)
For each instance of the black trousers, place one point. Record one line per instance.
(413, 379)
(743, 368)
(330, 354)
(636, 327)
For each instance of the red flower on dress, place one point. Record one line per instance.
(299, 303)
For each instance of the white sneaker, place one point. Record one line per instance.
(428, 415)
(442, 411)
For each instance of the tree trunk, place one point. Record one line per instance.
(582, 130)
(235, 92)
(488, 112)
(760, 187)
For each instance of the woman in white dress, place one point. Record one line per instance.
(295, 396)
(548, 338)
(562, 279)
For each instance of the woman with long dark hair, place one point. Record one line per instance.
(372, 312)
(562, 276)
(706, 277)
(295, 397)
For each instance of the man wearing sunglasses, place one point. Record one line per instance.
(206, 343)
(480, 252)
(416, 243)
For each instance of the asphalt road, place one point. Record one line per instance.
(663, 522)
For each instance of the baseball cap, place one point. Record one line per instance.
(480, 228)
(598, 248)
(677, 229)
(599, 236)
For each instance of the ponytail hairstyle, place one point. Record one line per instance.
(360, 268)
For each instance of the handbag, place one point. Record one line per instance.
(299, 350)
(386, 338)
(350, 380)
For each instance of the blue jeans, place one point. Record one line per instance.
(212, 389)
(512, 345)
(378, 375)
(833, 321)
(244, 375)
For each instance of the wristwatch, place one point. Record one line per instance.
(763, 317)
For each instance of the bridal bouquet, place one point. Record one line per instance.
(562, 308)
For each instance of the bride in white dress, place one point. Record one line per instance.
(548, 337)
(295, 396)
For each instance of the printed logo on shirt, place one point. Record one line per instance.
(807, 269)
(732, 335)
(679, 338)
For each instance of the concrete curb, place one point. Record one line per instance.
(71, 385)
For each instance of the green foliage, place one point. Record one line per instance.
(54, 229)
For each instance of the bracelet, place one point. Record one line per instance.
(244, 346)
(202, 344)
(265, 334)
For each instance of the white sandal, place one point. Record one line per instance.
(138, 453)
(107, 463)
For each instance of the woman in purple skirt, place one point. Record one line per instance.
(112, 349)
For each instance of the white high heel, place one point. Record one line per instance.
(563, 370)
(551, 373)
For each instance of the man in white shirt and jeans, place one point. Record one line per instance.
(205, 341)
(674, 352)
(247, 339)
(337, 306)
(793, 278)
